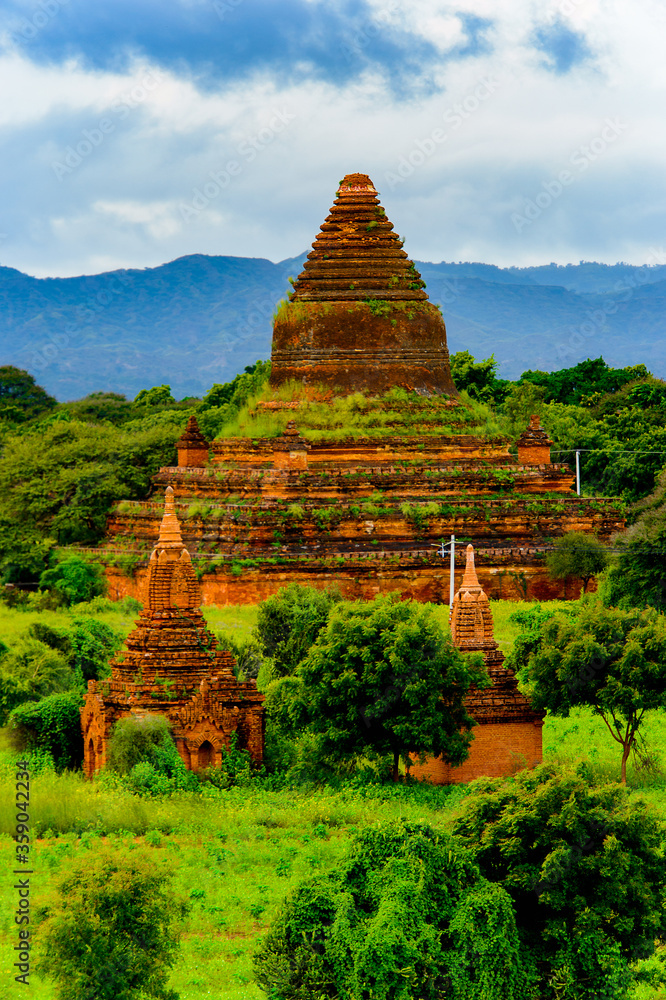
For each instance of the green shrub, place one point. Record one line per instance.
(52, 725)
(30, 670)
(584, 866)
(134, 740)
(406, 915)
(113, 934)
(75, 579)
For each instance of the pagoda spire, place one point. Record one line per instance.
(359, 318)
(471, 618)
(169, 536)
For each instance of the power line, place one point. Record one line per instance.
(602, 451)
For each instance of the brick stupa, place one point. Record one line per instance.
(359, 317)
(508, 734)
(172, 666)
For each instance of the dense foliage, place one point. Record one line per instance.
(577, 554)
(45, 661)
(53, 725)
(289, 623)
(74, 579)
(114, 933)
(382, 678)
(639, 576)
(608, 658)
(20, 397)
(584, 866)
(405, 916)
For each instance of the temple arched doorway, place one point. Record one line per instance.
(206, 754)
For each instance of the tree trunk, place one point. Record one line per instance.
(626, 750)
(396, 765)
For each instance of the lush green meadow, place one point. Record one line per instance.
(235, 854)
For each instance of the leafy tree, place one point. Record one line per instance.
(575, 385)
(585, 869)
(135, 739)
(224, 400)
(52, 724)
(382, 678)
(20, 397)
(30, 670)
(59, 478)
(289, 622)
(75, 579)
(478, 377)
(577, 554)
(248, 653)
(611, 660)
(113, 934)
(520, 402)
(93, 644)
(56, 638)
(639, 577)
(101, 406)
(405, 916)
(159, 395)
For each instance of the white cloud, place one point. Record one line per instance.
(291, 142)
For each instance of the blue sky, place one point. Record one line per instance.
(503, 131)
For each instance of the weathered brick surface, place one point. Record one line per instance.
(508, 731)
(359, 316)
(171, 666)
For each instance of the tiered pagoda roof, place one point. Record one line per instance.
(359, 317)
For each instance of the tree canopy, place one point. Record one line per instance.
(113, 934)
(607, 658)
(405, 915)
(584, 866)
(638, 578)
(383, 678)
(20, 397)
(577, 554)
(579, 384)
(289, 622)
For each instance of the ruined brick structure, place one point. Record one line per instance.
(171, 666)
(366, 513)
(508, 731)
(359, 317)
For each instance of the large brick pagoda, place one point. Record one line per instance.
(366, 511)
(172, 666)
(508, 734)
(359, 317)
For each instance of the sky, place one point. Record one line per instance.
(510, 132)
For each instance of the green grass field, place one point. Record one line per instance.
(235, 854)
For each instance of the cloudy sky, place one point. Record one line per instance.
(502, 131)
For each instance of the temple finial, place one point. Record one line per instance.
(470, 579)
(169, 537)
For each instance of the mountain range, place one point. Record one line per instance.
(200, 319)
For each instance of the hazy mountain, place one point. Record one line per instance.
(199, 319)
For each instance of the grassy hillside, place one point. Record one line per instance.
(235, 854)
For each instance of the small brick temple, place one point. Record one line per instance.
(172, 666)
(508, 734)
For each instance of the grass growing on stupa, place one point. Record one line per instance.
(321, 415)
